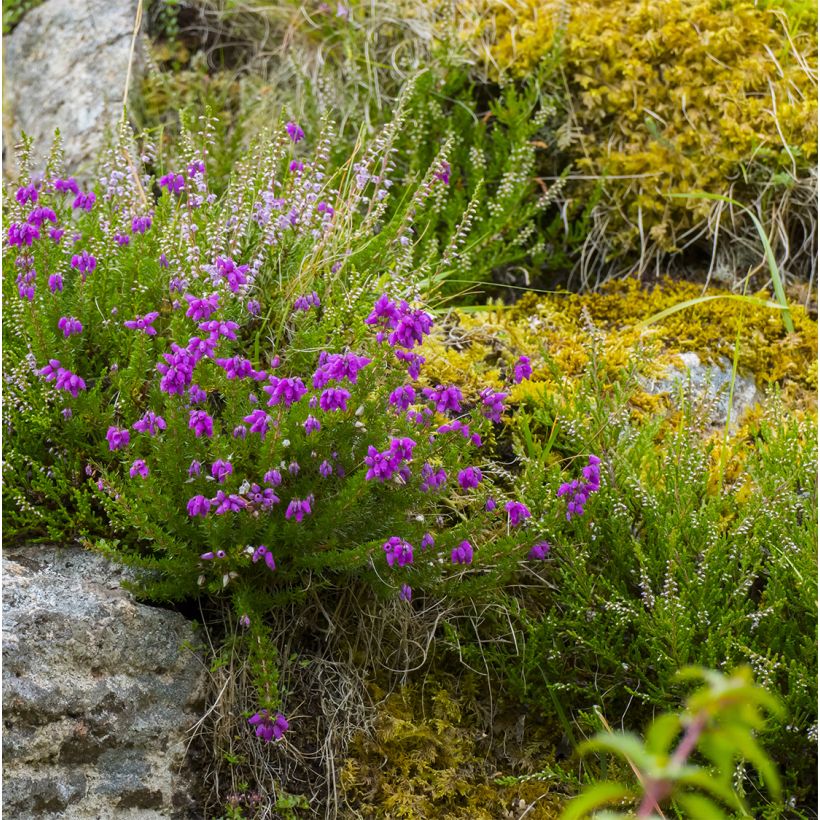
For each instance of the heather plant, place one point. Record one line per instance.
(230, 390)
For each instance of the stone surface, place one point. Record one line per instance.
(99, 693)
(710, 383)
(65, 67)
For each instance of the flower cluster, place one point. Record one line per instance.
(578, 491)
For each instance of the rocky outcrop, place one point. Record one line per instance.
(65, 67)
(708, 384)
(99, 694)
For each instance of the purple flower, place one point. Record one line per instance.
(253, 307)
(406, 593)
(66, 380)
(469, 478)
(285, 391)
(273, 477)
(296, 166)
(177, 371)
(196, 395)
(227, 503)
(139, 468)
(174, 184)
(443, 172)
(140, 224)
(84, 262)
(56, 234)
(298, 509)
(117, 438)
(245, 621)
(402, 448)
(295, 133)
(402, 397)
(305, 303)
(201, 423)
(143, 323)
(85, 201)
(194, 469)
(432, 479)
(220, 470)
(334, 398)
(579, 491)
(232, 273)
(540, 551)
(385, 313)
(293, 468)
(311, 425)
(266, 728)
(65, 186)
(150, 423)
(259, 421)
(201, 309)
(69, 325)
(490, 505)
(522, 369)
(40, 215)
(264, 554)
(217, 329)
(398, 551)
(122, 239)
(27, 193)
(413, 360)
(24, 234)
(55, 283)
(411, 328)
(493, 403)
(199, 505)
(427, 541)
(67, 413)
(462, 554)
(517, 511)
(336, 367)
(445, 398)
(326, 469)
(381, 466)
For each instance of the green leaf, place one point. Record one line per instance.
(751, 750)
(698, 807)
(708, 783)
(626, 745)
(752, 300)
(661, 733)
(600, 794)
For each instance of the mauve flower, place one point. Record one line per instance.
(262, 553)
(381, 466)
(522, 369)
(85, 201)
(445, 398)
(201, 423)
(493, 403)
(273, 477)
(398, 551)
(443, 172)
(227, 503)
(117, 438)
(334, 398)
(196, 395)
(266, 728)
(296, 166)
(140, 224)
(413, 360)
(199, 505)
(56, 234)
(284, 391)
(194, 469)
(24, 234)
(139, 468)
(232, 273)
(253, 307)
(40, 215)
(28, 193)
(201, 309)
(295, 133)
(427, 541)
(305, 303)
(143, 323)
(462, 554)
(432, 479)
(469, 478)
(402, 397)
(490, 505)
(540, 551)
(259, 421)
(293, 468)
(298, 509)
(517, 511)
(406, 593)
(70, 326)
(65, 186)
(66, 380)
(220, 470)
(55, 283)
(122, 239)
(311, 425)
(83, 262)
(579, 491)
(326, 469)
(173, 183)
(150, 423)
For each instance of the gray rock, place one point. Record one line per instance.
(65, 67)
(99, 693)
(708, 385)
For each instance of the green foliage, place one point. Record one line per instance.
(720, 722)
(14, 11)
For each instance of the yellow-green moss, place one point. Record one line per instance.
(431, 757)
(556, 332)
